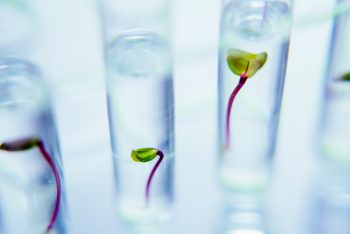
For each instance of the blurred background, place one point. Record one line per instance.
(72, 59)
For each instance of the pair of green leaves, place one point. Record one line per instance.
(243, 63)
(19, 145)
(345, 77)
(144, 154)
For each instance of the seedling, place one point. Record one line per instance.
(30, 143)
(245, 65)
(146, 155)
(345, 77)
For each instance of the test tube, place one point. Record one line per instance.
(141, 106)
(253, 51)
(330, 206)
(31, 195)
(334, 135)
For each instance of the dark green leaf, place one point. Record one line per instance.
(19, 145)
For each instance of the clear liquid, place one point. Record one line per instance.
(140, 103)
(133, 205)
(253, 26)
(27, 184)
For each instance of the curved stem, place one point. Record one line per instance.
(148, 185)
(55, 172)
(240, 84)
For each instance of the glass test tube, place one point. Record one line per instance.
(334, 140)
(254, 42)
(31, 193)
(331, 209)
(141, 107)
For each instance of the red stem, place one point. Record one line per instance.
(161, 156)
(54, 169)
(240, 84)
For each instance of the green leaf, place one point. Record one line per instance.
(19, 145)
(345, 77)
(144, 154)
(245, 63)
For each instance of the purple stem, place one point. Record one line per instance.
(58, 185)
(240, 84)
(148, 185)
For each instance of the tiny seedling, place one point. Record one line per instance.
(245, 65)
(30, 143)
(146, 155)
(345, 77)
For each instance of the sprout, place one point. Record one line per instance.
(19, 145)
(30, 143)
(146, 155)
(345, 77)
(245, 65)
